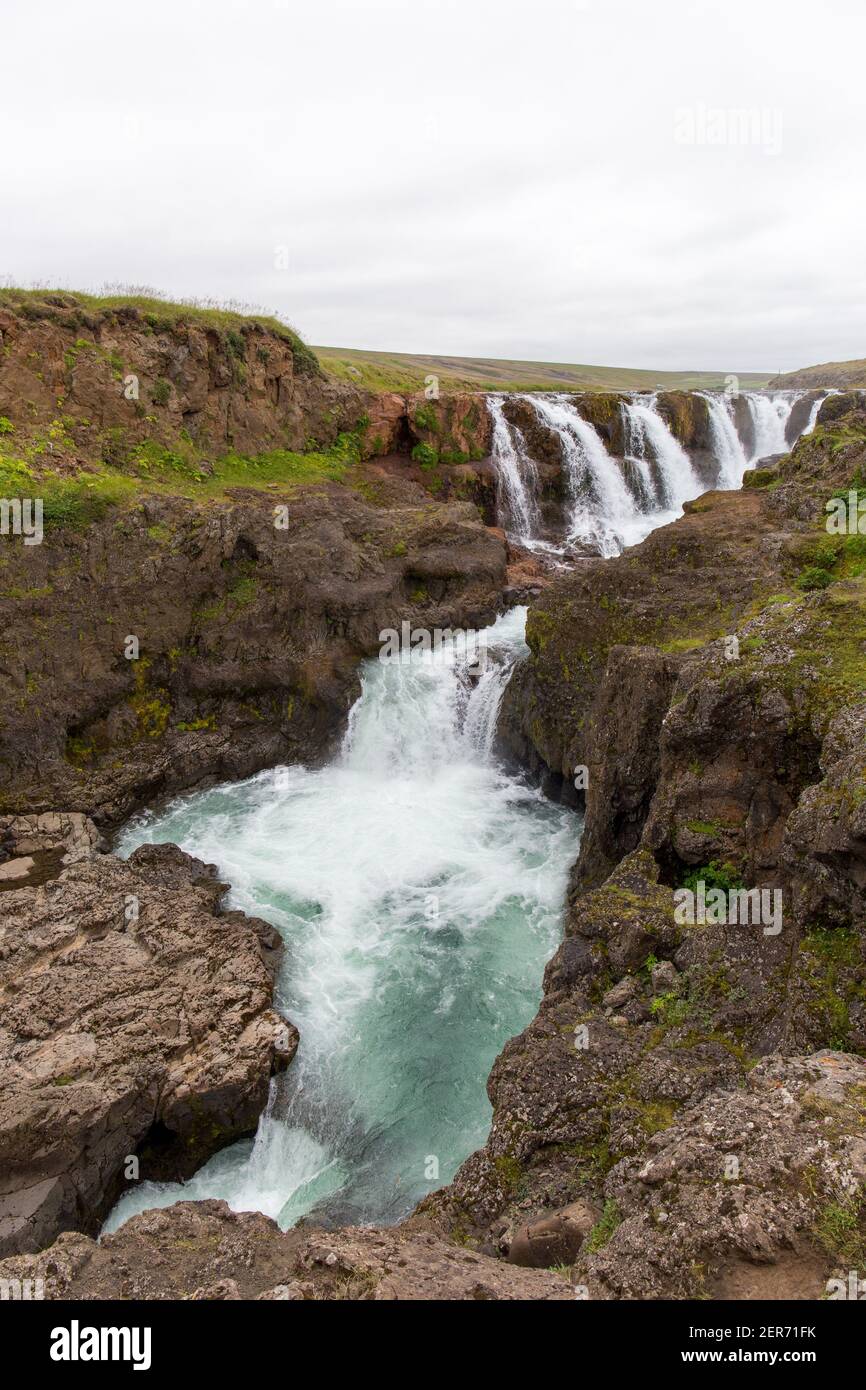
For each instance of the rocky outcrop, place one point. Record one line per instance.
(698, 574)
(751, 1194)
(227, 640)
(119, 376)
(201, 1250)
(138, 1035)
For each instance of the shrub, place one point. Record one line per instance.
(423, 454)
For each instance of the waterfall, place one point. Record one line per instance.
(602, 508)
(770, 416)
(727, 446)
(816, 406)
(651, 446)
(516, 476)
(614, 502)
(418, 887)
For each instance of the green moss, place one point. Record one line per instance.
(509, 1170)
(681, 644)
(704, 827)
(152, 706)
(79, 751)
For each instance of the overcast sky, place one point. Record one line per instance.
(554, 179)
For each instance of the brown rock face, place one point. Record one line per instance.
(203, 1250)
(249, 636)
(249, 388)
(720, 1205)
(137, 1020)
(555, 1240)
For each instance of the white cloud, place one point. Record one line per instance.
(480, 177)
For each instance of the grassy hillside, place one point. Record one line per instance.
(157, 310)
(839, 374)
(404, 371)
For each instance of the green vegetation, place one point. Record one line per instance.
(814, 577)
(670, 1010)
(427, 419)
(161, 314)
(840, 1229)
(405, 372)
(76, 499)
(839, 374)
(603, 1229)
(425, 455)
(151, 705)
(830, 963)
(714, 875)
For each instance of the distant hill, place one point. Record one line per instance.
(406, 371)
(839, 374)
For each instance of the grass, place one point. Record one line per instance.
(159, 312)
(603, 1229)
(78, 500)
(841, 374)
(405, 371)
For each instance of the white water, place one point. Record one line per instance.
(419, 888)
(614, 502)
(516, 474)
(603, 512)
(770, 416)
(816, 406)
(727, 445)
(666, 465)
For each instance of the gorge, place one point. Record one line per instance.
(412, 830)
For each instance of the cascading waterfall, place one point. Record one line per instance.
(603, 511)
(816, 407)
(418, 887)
(727, 445)
(651, 444)
(616, 502)
(770, 415)
(516, 473)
